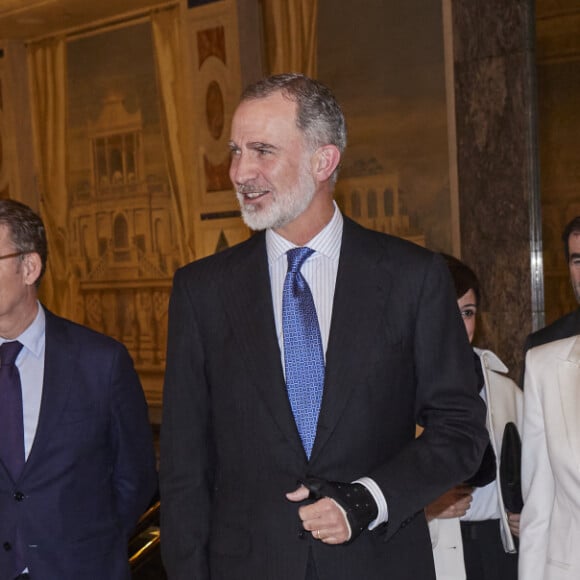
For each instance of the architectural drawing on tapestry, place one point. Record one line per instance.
(122, 250)
(387, 69)
(375, 202)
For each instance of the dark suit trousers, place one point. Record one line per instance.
(483, 553)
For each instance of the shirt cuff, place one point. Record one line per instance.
(375, 491)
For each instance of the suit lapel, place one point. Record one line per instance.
(248, 299)
(59, 357)
(569, 385)
(358, 301)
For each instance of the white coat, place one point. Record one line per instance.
(550, 524)
(504, 404)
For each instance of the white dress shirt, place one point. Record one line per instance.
(485, 502)
(320, 271)
(30, 364)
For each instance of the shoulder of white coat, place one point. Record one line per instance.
(564, 349)
(491, 361)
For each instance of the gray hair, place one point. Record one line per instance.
(318, 114)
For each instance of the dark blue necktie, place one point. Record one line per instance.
(303, 354)
(11, 421)
(12, 433)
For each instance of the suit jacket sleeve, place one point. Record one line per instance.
(447, 406)
(134, 471)
(185, 476)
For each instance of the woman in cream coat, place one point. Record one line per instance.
(476, 517)
(550, 533)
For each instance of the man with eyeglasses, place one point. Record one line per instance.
(77, 466)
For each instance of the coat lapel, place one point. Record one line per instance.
(358, 300)
(569, 385)
(248, 298)
(59, 359)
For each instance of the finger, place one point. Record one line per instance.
(333, 538)
(334, 541)
(456, 508)
(313, 522)
(325, 513)
(315, 511)
(336, 534)
(299, 494)
(325, 519)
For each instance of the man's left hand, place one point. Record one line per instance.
(324, 519)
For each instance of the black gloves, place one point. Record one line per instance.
(354, 498)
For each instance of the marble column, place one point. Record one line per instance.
(493, 52)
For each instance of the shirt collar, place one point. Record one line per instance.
(326, 242)
(33, 337)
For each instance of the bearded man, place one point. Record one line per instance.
(298, 365)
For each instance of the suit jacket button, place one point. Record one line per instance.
(7, 547)
(19, 496)
(301, 534)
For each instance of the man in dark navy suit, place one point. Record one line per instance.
(80, 468)
(385, 335)
(569, 324)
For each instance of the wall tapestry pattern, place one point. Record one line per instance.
(123, 248)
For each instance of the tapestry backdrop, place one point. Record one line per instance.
(387, 68)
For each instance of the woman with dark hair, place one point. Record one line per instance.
(471, 531)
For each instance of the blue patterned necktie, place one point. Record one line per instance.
(303, 355)
(11, 422)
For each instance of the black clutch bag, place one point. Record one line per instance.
(510, 469)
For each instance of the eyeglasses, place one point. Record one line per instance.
(13, 255)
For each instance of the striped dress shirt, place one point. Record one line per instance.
(320, 271)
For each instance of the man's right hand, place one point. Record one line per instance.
(324, 519)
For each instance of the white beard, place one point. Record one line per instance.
(283, 207)
(576, 287)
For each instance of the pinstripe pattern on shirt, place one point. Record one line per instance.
(319, 270)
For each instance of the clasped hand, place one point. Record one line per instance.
(452, 504)
(340, 512)
(324, 518)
